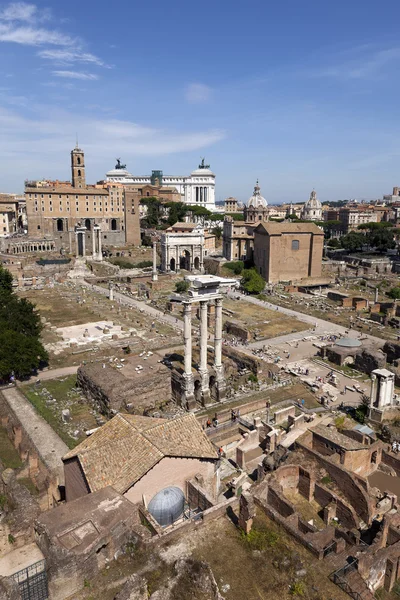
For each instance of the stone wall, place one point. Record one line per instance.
(19, 511)
(111, 391)
(237, 330)
(45, 481)
(351, 489)
(197, 496)
(242, 360)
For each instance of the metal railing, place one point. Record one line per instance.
(338, 577)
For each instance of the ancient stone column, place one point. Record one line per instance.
(111, 290)
(218, 367)
(218, 334)
(376, 295)
(187, 381)
(203, 370)
(155, 274)
(99, 248)
(83, 244)
(177, 261)
(94, 244)
(187, 337)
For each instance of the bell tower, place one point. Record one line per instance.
(78, 168)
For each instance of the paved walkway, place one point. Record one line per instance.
(49, 446)
(52, 374)
(140, 305)
(318, 326)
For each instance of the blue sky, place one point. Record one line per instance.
(299, 94)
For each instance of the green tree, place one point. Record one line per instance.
(382, 239)
(236, 266)
(334, 243)
(176, 212)
(217, 231)
(252, 281)
(153, 216)
(353, 241)
(394, 293)
(5, 280)
(21, 351)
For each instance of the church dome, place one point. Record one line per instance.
(256, 200)
(313, 202)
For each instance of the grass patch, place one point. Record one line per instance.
(63, 391)
(30, 486)
(8, 454)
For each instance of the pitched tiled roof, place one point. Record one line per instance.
(280, 228)
(128, 446)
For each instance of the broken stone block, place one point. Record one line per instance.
(66, 415)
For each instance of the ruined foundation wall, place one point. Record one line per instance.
(111, 391)
(45, 481)
(356, 496)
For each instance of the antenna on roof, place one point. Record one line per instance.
(77, 145)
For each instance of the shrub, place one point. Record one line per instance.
(143, 264)
(252, 282)
(258, 539)
(236, 266)
(339, 422)
(326, 480)
(182, 286)
(297, 589)
(394, 293)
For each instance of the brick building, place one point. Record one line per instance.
(55, 209)
(139, 456)
(288, 251)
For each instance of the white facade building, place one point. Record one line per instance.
(312, 210)
(196, 189)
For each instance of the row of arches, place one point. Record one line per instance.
(61, 224)
(184, 262)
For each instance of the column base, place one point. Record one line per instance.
(155, 277)
(205, 387)
(188, 400)
(220, 383)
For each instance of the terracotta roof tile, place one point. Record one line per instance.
(128, 446)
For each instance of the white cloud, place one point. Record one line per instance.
(198, 93)
(19, 11)
(70, 56)
(31, 36)
(76, 75)
(367, 66)
(42, 143)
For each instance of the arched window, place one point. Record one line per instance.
(79, 172)
(78, 160)
(295, 244)
(88, 224)
(113, 224)
(60, 225)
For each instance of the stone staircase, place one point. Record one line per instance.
(350, 581)
(358, 587)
